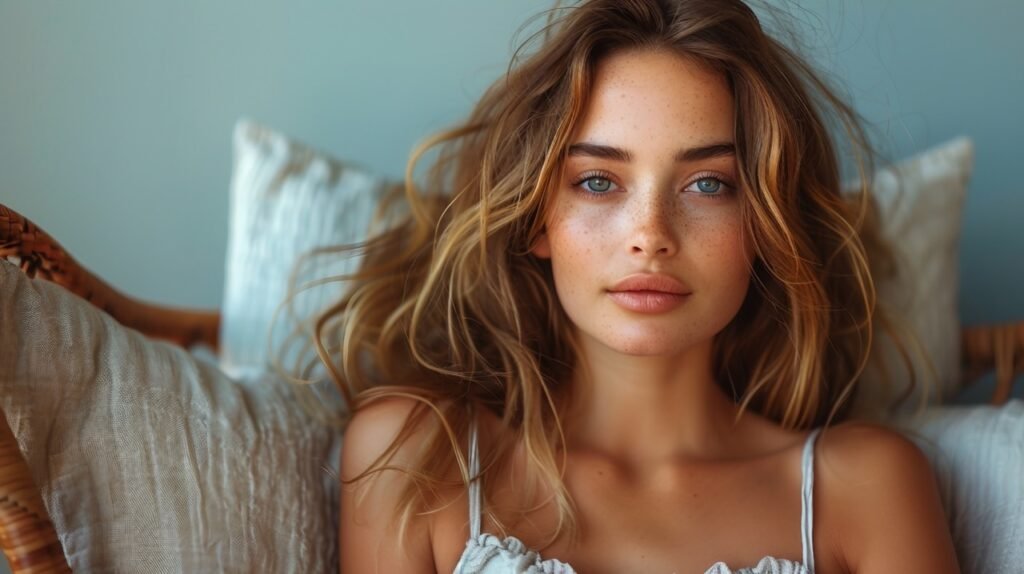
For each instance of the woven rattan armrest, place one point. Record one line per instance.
(26, 533)
(39, 255)
(999, 347)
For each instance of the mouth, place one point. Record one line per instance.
(649, 293)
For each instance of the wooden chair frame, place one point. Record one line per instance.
(27, 536)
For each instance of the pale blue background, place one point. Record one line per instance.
(116, 116)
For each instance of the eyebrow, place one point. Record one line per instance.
(588, 149)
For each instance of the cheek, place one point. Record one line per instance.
(578, 240)
(575, 233)
(718, 242)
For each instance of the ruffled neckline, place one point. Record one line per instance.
(522, 560)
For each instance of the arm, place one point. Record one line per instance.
(368, 528)
(885, 489)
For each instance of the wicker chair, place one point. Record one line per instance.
(27, 536)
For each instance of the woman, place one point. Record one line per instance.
(622, 324)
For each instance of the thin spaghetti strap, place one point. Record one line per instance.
(474, 483)
(807, 502)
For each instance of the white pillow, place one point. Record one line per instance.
(286, 199)
(977, 454)
(920, 201)
(149, 460)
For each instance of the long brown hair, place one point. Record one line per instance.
(449, 308)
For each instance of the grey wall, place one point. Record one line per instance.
(923, 71)
(115, 116)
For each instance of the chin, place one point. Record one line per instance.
(653, 346)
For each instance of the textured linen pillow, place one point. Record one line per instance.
(151, 460)
(286, 199)
(920, 200)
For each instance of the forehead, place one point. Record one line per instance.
(657, 97)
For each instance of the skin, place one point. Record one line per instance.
(654, 218)
(684, 485)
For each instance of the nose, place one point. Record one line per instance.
(654, 227)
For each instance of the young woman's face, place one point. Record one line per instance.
(644, 234)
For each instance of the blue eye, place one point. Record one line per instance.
(709, 185)
(596, 184)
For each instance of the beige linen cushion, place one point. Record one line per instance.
(151, 460)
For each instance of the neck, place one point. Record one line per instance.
(645, 410)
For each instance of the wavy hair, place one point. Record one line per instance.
(450, 309)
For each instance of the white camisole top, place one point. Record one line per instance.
(488, 554)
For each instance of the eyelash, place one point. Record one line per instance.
(727, 187)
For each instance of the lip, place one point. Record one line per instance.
(654, 282)
(649, 293)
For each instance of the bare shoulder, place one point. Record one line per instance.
(880, 492)
(869, 454)
(372, 431)
(368, 538)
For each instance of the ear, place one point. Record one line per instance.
(542, 247)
